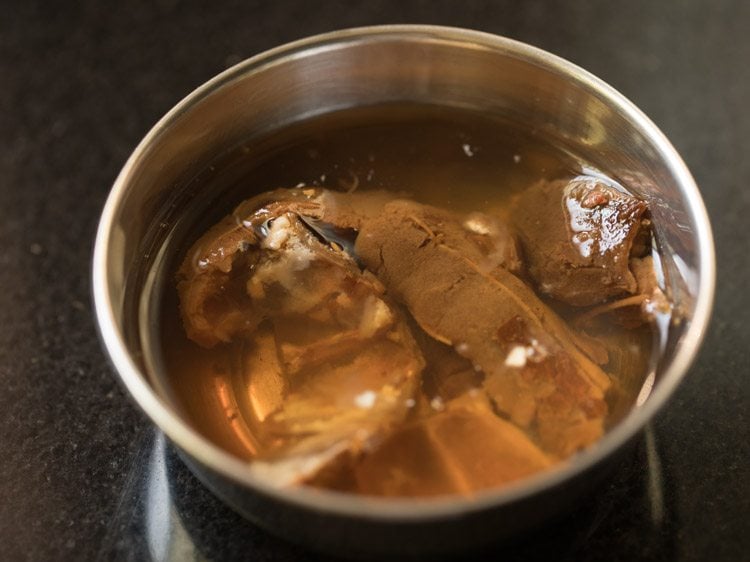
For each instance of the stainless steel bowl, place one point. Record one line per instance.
(438, 65)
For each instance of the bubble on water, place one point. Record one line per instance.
(516, 357)
(366, 399)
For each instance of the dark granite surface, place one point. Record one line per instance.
(82, 473)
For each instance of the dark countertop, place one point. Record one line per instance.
(82, 473)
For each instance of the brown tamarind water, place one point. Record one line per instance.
(451, 423)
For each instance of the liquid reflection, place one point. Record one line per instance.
(165, 514)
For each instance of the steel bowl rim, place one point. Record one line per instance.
(214, 458)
